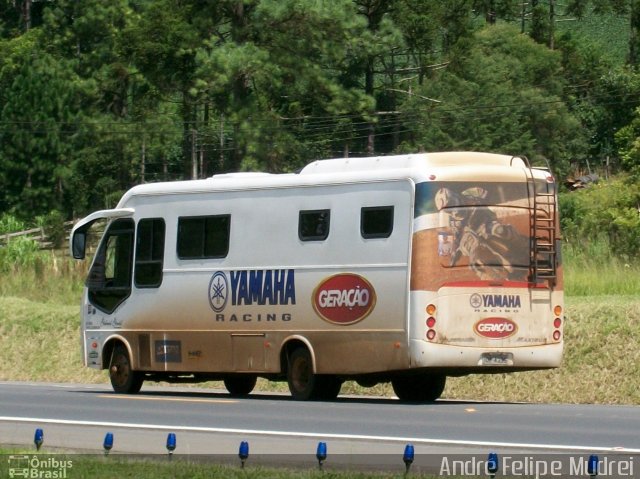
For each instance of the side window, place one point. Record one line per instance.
(313, 225)
(376, 222)
(149, 253)
(109, 280)
(202, 237)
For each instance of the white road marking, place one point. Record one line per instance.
(316, 435)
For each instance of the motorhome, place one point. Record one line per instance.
(404, 269)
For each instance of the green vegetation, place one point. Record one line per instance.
(113, 466)
(43, 276)
(185, 89)
(603, 220)
(592, 270)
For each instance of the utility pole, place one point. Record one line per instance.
(194, 156)
(221, 160)
(26, 14)
(143, 158)
(552, 21)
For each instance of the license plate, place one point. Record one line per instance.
(496, 359)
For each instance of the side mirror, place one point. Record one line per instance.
(78, 244)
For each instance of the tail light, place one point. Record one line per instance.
(431, 322)
(557, 322)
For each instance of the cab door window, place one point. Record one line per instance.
(109, 280)
(149, 253)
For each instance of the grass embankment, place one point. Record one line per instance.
(39, 321)
(601, 362)
(95, 467)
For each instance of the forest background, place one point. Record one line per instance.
(96, 96)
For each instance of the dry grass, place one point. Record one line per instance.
(50, 277)
(601, 362)
(41, 342)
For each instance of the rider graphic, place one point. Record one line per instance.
(493, 248)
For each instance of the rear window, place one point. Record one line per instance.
(435, 196)
(313, 225)
(376, 222)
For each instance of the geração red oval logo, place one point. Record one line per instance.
(495, 328)
(344, 299)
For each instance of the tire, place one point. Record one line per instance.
(124, 380)
(240, 385)
(303, 383)
(422, 388)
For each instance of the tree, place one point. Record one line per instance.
(19, 16)
(602, 96)
(116, 98)
(492, 10)
(161, 41)
(281, 83)
(630, 8)
(504, 95)
(420, 25)
(39, 116)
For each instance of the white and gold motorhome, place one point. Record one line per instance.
(404, 268)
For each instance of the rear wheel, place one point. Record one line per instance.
(419, 388)
(302, 381)
(123, 378)
(304, 384)
(240, 385)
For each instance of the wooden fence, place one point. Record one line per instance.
(36, 234)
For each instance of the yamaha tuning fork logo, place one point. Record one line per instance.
(475, 301)
(218, 291)
(495, 301)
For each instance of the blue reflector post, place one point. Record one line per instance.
(243, 452)
(38, 438)
(493, 464)
(321, 453)
(592, 465)
(108, 442)
(171, 442)
(408, 456)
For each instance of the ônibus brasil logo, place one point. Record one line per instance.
(344, 299)
(495, 328)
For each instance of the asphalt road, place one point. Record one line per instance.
(372, 431)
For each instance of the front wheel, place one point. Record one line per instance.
(124, 380)
(419, 388)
